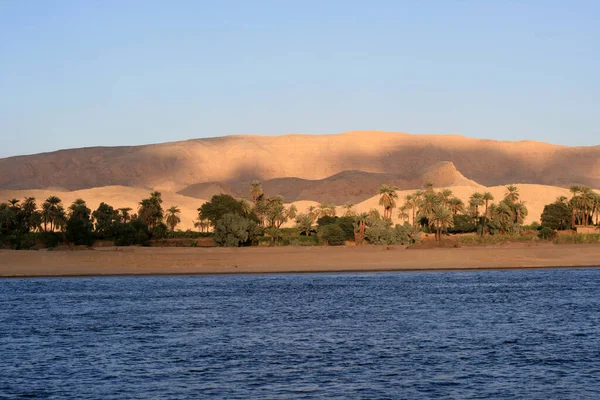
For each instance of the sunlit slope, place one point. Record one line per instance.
(175, 166)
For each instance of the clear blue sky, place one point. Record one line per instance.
(86, 73)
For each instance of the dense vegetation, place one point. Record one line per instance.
(239, 222)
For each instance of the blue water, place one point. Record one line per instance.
(467, 335)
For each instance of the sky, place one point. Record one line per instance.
(112, 72)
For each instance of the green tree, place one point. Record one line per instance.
(106, 220)
(233, 230)
(150, 210)
(333, 235)
(557, 216)
(441, 219)
(79, 227)
(221, 204)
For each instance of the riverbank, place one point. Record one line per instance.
(167, 261)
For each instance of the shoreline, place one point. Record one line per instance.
(141, 261)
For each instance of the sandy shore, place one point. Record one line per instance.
(138, 260)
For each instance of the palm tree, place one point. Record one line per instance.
(587, 204)
(441, 218)
(476, 201)
(349, 211)
(562, 199)
(173, 217)
(14, 204)
(59, 218)
(52, 212)
(388, 200)
(429, 203)
(304, 223)
(446, 195)
(487, 197)
(360, 227)
(246, 206)
(456, 205)
(124, 214)
(150, 210)
(292, 212)
(402, 214)
(325, 210)
(504, 216)
(256, 190)
(313, 213)
(512, 193)
(410, 203)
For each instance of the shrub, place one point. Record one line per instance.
(547, 233)
(233, 231)
(379, 232)
(159, 231)
(463, 224)
(134, 232)
(326, 220)
(347, 225)
(333, 235)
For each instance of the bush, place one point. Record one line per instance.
(547, 233)
(132, 233)
(233, 231)
(326, 220)
(80, 231)
(382, 233)
(463, 224)
(160, 231)
(557, 216)
(333, 235)
(347, 225)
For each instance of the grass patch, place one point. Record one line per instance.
(578, 238)
(496, 239)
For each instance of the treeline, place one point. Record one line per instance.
(23, 224)
(241, 222)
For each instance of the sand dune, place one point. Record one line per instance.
(354, 186)
(174, 166)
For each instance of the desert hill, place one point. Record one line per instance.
(354, 186)
(175, 166)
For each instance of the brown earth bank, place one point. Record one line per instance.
(172, 261)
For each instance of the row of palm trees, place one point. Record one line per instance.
(584, 203)
(438, 209)
(53, 216)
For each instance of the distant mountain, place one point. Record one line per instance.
(354, 186)
(346, 163)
